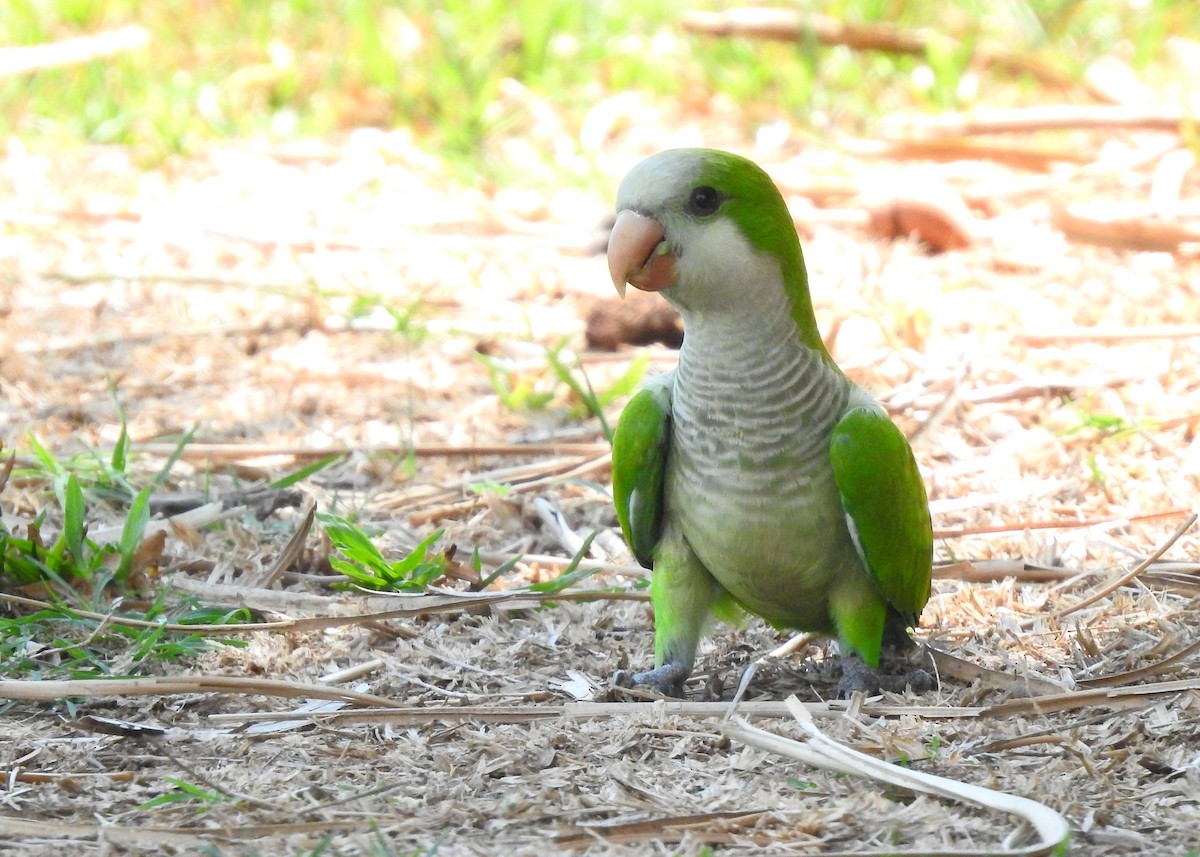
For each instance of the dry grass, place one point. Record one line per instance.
(219, 292)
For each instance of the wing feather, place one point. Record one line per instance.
(640, 446)
(886, 506)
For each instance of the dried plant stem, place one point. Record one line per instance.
(421, 605)
(1108, 334)
(1113, 586)
(794, 644)
(1146, 233)
(231, 452)
(1019, 526)
(785, 24)
(47, 691)
(823, 752)
(1130, 676)
(1049, 117)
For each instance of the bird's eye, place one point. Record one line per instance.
(704, 201)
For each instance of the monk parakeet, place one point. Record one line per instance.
(755, 475)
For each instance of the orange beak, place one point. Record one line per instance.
(638, 255)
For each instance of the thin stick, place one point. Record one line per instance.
(1145, 233)
(1115, 697)
(1020, 526)
(1112, 587)
(48, 691)
(437, 513)
(424, 605)
(633, 571)
(415, 714)
(795, 644)
(1040, 159)
(200, 776)
(1130, 676)
(217, 333)
(1049, 117)
(589, 711)
(6, 470)
(1108, 334)
(789, 25)
(231, 452)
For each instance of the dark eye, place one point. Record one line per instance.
(704, 201)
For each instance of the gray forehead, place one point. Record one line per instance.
(659, 179)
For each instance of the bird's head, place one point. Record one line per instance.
(707, 228)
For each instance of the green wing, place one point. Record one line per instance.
(885, 501)
(640, 446)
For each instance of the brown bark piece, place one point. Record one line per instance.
(933, 213)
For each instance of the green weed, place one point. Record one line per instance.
(78, 574)
(526, 390)
(572, 574)
(185, 792)
(366, 567)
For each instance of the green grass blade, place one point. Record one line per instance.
(73, 523)
(572, 574)
(161, 478)
(135, 527)
(304, 472)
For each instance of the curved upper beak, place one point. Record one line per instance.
(638, 254)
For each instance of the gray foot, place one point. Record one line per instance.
(667, 679)
(857, 676)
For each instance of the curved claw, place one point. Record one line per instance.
(667, 679)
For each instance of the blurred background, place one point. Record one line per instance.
(527, 86)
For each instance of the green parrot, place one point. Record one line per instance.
(756, 476)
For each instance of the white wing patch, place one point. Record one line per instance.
(858, 548)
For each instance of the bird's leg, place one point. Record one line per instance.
(683, 593)
(667, 679)
(898, 672)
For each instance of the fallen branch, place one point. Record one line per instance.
(659, 829)
(418, 714)
(139, 836)
(657, 710)
(997, 570)
(448, 510)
